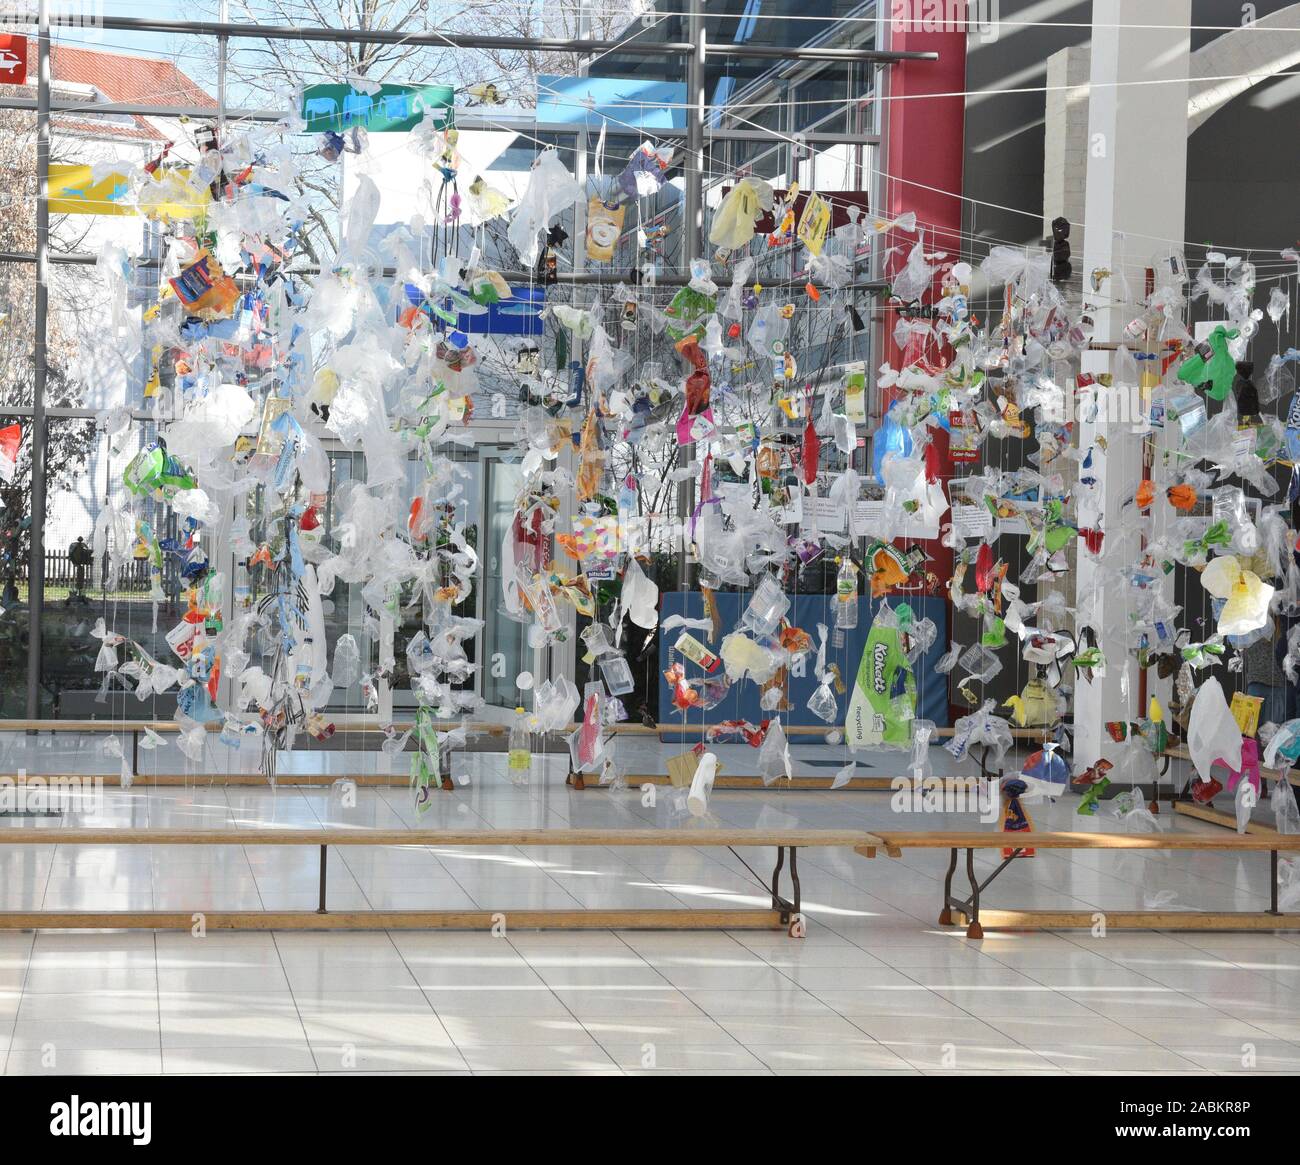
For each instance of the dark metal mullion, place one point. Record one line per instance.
(36, 537)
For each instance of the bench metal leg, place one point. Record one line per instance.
(970, 907)
(973, 930)
(794, 877)
(778, 903)
(324, 869)
(945, 915)
(1272, 879)
(789, 910)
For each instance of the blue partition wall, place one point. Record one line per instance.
(741, 703)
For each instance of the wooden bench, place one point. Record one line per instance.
(1212, 816)
(873, 783)
(369, 725)
(344, 726)
(877, 784)
(958, 910)
(783, 912)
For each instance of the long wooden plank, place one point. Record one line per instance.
(740, 781)
(393, 920)
(1179, 752)
(1229, 821)
(200, 780)
(24, 835)
(341, 725)
(401, 780)
(372, 725)
(964, 839)
(1130, 920)
(866, 784)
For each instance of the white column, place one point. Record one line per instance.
(1135, 201)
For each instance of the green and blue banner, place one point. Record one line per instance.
(394, 109)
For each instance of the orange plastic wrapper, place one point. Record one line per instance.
(591, 463)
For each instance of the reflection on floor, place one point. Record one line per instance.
(876, 987)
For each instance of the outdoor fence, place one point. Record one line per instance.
(62, 575)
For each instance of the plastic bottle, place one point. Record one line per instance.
(520, 757)
(846, 595)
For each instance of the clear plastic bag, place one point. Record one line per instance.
(979, 663)
(767, 607)
(347, 661)
(697, 799)
(617, 674)
(1286, 815)
(774, 755)
(822, 703)
(551, 189)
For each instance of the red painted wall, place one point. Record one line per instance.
(924, 148)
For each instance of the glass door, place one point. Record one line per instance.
(505, 642)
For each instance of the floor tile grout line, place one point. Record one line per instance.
(433, 1008)
(22, 991)
(157, 999)
(855, 1023)
(906, 973)
(573, 1015)
(293, 994)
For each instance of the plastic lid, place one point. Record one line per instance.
(518, 709)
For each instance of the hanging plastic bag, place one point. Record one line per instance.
(1244, 801)
(883, 703)
(1246, 595)
(604, 224)
(551, 189)
(734, 220)
(640, 597)
(697, 799)
(1286, 815)
(774, 755)
(814, 223)
(920, 767)
(767, 607)
(743, 657)
(1037, 706)
(1212, 365)
(1212, 732)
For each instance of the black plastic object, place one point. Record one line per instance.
(1244, 391)
(1062, 269)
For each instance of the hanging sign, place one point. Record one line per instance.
(13, 59)
(166, 194)
(625, 102)
(393, 109)
(75, 190)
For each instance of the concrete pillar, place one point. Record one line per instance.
(1135, 200)
(1065, 139)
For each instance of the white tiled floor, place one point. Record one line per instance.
(876, 987)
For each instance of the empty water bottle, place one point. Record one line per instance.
(846, 599)
(520, 756)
